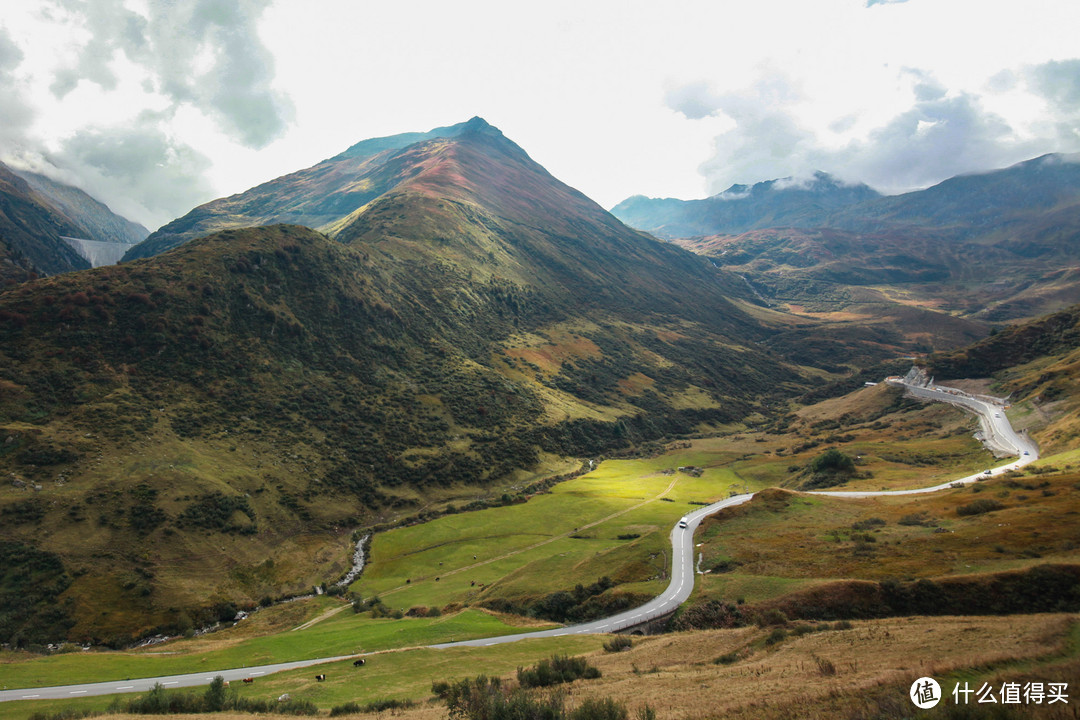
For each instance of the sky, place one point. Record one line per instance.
(156, 106)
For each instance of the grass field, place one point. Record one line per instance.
(780, 542)
(807, 671)
(342, 634)
(552, 542)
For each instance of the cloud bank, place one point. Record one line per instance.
(940, 135)
(203, 57)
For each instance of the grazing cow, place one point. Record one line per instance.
(249, 680)
(358, 662)
(320, 678)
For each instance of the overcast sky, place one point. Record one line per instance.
(155, 106)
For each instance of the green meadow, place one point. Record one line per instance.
(392, 675)
(343, 634)
(552, 542)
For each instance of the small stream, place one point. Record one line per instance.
(357, 563)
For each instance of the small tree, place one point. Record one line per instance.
(215, 695)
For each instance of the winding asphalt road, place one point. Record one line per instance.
(997, 433)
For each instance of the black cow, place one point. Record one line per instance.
(320, 678)
(358, 662)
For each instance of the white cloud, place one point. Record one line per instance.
(612, 97)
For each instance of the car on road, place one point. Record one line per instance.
(1026, 452)
(682, 523)
(988, 472)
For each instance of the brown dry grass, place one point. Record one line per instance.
(800, 536)
(676, 676)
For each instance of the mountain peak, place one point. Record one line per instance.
(366, 148)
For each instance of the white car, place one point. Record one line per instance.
(682, 523)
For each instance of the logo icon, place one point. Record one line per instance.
(925, 693)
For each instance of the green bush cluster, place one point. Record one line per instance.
(557, 670)
(216, 698)
(31, 582)
(979, 507)
(214, 511)
(618, 644)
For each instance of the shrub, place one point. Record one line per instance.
(825, 667)
(602, 709)
(980, 506)
(726, 659)
(618, 644)
(777, 635)
(349, 708)
(559, 669)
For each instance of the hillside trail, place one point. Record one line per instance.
(334, 611)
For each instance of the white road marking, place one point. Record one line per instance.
(126, 687)
(76, 692)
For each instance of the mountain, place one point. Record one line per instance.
(56, 227)
(774, 203)
(991, 247)
(31, 229)
(316, 197)
(978, 205)
(99, 224)
(209, 425)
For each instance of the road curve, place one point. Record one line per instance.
(997, 432)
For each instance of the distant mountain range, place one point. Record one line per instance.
(774, 203)
(53, 228)
(993, 246)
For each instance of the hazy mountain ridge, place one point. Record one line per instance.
(32, 228)
(100, 224)
(38, 213)
(773, 203)
(990, 247)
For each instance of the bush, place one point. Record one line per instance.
(215, 699)
(777, 635)
(980, 506)
(484, 698)
(602, 709)
(726, 659)
(618, 644)
(559, 669)
(349, 708)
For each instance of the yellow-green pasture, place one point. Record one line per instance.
(555, 540)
